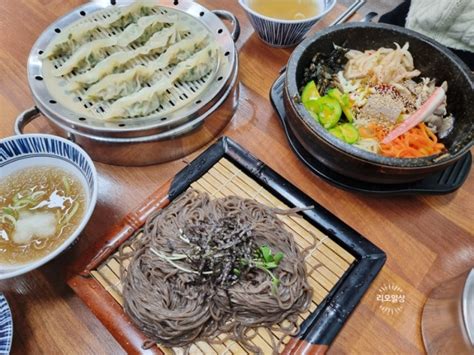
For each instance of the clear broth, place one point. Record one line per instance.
(43, 191)
(286, 9)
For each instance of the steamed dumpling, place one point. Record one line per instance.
(140, 32)
(121, 84)
(73, 37)
(69, 40)
(149, 99)
(128, 15)
(87, 56)
(157, 43)
(198, 65)
(141, 103)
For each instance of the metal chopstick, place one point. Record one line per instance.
(349, 12)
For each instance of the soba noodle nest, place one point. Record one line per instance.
(176, 308)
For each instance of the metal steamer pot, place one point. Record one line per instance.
(152, 139)
(431, 58)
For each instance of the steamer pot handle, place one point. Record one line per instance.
(24, 118)
(229, 16)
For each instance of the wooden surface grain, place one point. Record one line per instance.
(428, 239)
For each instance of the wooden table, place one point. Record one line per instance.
(428, 239)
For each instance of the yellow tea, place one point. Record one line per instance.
(285, 9)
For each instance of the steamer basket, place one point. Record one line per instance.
(166, 134)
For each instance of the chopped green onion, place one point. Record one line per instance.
(67, 187)
(16, 197)
(9, 218)
(19, 204)
(10, 211)
(170, 260)
(71, 214)
(37, 194)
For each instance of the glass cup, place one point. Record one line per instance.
(447, 322)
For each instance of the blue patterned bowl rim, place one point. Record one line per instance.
(41, 145)
(6, 326)
(329, 4)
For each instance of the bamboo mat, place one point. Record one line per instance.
(331, 260)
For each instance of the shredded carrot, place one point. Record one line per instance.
(415, 143)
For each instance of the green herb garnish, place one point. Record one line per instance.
(266, 261)
(220, 255)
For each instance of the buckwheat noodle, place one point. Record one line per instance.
(176, 300)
